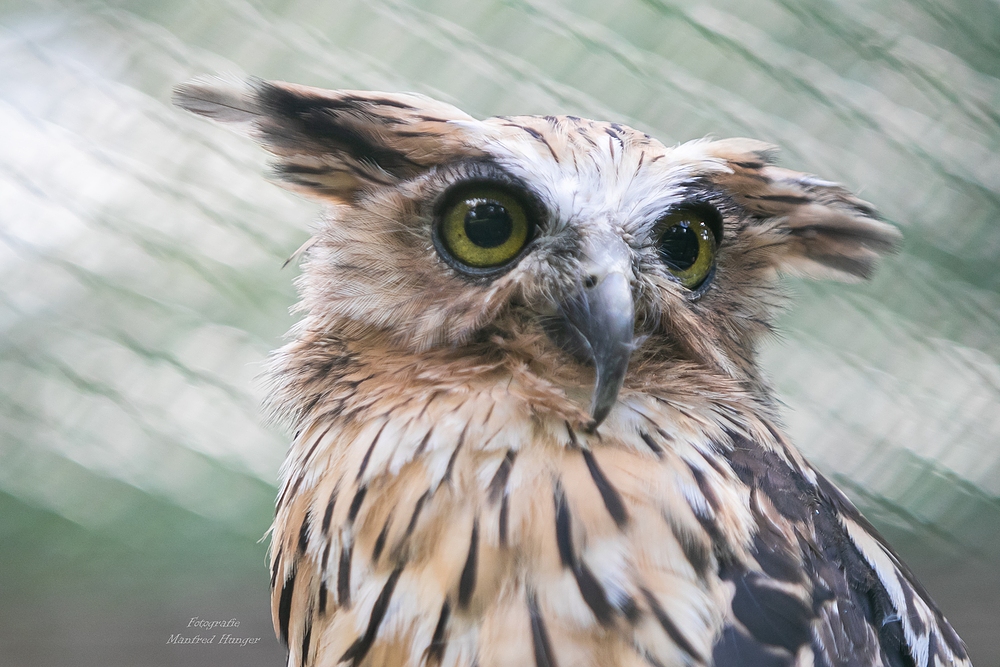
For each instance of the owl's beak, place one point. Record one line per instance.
(599, 321)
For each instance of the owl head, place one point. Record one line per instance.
(586, 252)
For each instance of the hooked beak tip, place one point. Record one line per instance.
(603, 316)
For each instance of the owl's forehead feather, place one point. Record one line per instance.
(586, 168)
(580, 144)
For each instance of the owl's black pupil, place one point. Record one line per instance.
(488, 224)
(679, 247)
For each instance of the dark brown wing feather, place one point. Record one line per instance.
(819, 588)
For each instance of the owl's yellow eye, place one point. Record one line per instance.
(484, 227)
(687, 244)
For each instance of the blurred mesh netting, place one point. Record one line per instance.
(141, 282)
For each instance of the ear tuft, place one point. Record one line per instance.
(745, 153)
(823, 230)
(221, 100)
(334, 144)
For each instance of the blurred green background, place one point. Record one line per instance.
(141, 281)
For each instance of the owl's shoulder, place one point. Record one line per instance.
(819, 575)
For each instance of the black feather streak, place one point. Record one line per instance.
(707, 518)
(590, 588)
(359, 649)
(285, 606)
(564, 529)
(573, 441)
(706, 490)
(614, 135)
(537, 136)
(306, 639)
(652, 444)
(274, 568)
(344, 576)
(328, 515)
(504, 519)
(288, 491)
(454, 455)
(499, 481)
(423, 443)
(671, 628)
(380, 540)
(312, 448)
(368, 453)
(304, 534)
(467, 582)
(593, 594)
(419, 505)
(631, 610)
(435, 650)
(326, 556)
(539, 636)
(783, 199)
(612, 499)
(748, 164)
(359, 498)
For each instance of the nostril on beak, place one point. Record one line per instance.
(590, 281)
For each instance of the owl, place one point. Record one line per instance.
(529, 423)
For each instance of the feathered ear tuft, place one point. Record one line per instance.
(333, 144)
(824, 231)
